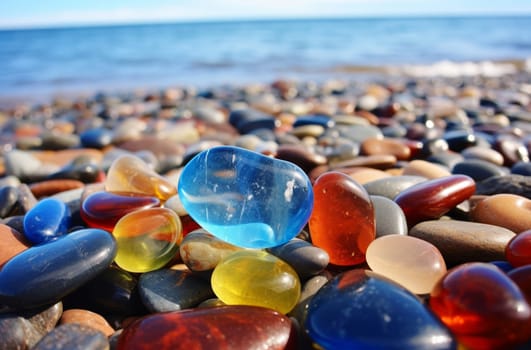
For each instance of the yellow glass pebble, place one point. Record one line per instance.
(147, 239)
(254, 277)
(130, 174)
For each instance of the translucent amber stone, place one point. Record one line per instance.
(482, 307)
(409, 261)
(254, 277)
(342, 222)
(130, 174)
(147, 239)
(104, 209)
(518, 250)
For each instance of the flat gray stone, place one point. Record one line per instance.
(462, 241)
(390, 219)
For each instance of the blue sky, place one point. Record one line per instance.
(31, 13)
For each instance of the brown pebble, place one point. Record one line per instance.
(506, 210)
(364, 175)
(426, 169)
(300, 156)
(64, 157)
(11, 243)
(382, 161)
(375, 146)
(461, 241)
(51, 187)
(87, 318)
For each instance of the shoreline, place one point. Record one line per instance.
(362, 73)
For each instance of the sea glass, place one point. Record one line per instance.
(129, 173)
(412, 262)
(342, 222)
(433, 198)
(103, 209)
(147, 239)
(245, 198)
(46, 221)
(254, 277)
(518, 250)
(482, 307)
(224, 327)
(360, 309)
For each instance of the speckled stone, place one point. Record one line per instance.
(87, 318)
(461, 241)
(73, 336)
(201, 251)
(17, 333)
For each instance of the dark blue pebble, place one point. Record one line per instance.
(96, 138)
(45, 274)
(322, 120)
(114, 291)
(458, 140)
(47, 221)
(478, 169)
(247, 120)
(359, 309)
(521, 168)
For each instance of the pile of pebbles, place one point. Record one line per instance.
(416, 129)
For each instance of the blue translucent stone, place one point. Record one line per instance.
(47, 221)
(359, 309)
(246, 198)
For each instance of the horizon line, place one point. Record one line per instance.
(213, 20)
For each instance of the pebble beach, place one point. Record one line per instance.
(429, 176)
(381, 207)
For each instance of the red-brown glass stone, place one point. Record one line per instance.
(522, 277)
(434, 198)
(342, 221)
(104, 209)
(483, 307)
(224, 327)
(518, 250)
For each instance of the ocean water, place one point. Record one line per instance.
(60, 60)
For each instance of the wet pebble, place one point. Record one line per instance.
(37, 275)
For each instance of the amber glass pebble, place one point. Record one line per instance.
(342, 222)
(433, 198)
(223, 327)
(254, 277)
(483, 307)
(130, 174)
(409, 261)
(147, 239)
(103, 209)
